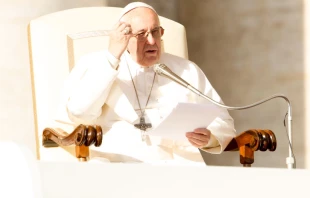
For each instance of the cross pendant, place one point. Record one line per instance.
(143, 126)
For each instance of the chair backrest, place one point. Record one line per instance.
(57, 40)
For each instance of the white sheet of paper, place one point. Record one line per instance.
(186, 117)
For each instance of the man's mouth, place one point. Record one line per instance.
(151, 51)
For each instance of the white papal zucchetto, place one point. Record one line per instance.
(134, 5)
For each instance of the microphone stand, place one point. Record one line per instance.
(163, 70)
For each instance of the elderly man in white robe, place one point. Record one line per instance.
(120, 89)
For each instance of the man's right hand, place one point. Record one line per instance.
(119, 38)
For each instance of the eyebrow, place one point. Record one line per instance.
(143, 30)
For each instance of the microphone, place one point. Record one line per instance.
(163, 70)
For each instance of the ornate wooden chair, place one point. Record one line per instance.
(56, 41)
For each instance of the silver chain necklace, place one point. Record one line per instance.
(142, 125)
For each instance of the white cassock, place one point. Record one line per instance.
(96, 93)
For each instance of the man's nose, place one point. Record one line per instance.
(150, 39)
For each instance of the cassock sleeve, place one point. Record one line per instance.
(89, 84)
(222, 128)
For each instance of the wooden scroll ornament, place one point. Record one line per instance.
(252, 140)
(83, 136)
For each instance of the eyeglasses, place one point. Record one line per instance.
(156, 33)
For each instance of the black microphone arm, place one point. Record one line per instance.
(163, 70)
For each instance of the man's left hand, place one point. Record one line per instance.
(199, 137)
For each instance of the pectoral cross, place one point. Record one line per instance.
(143, 126)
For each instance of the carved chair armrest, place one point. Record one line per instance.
(82, 136)
(250, 141)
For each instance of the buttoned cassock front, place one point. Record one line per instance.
(98, 93)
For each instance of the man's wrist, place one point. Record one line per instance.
(113, 60)
(213, 142)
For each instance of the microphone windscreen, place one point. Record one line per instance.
(159, 68)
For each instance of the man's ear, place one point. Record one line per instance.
(162, 31)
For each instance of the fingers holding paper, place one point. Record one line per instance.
(199, 137)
